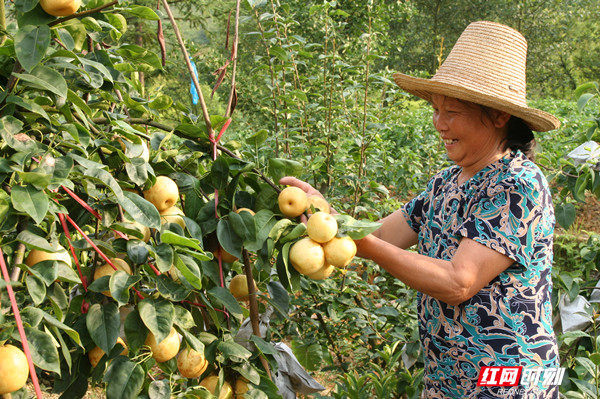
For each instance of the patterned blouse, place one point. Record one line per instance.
(507, 207)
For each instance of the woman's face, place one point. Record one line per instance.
(472, 137)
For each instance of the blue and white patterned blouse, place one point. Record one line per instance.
(506, 206)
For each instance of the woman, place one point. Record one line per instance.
(484, 226)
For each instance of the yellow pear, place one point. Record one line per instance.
(225, 256)
(163, 194)
(172, 215)
(60, 8)
(14, 369)
(321, 227)
(241, 387)
(144, 229)
(307, 256)
(319, 203)
(292, 201)
(211, 382)
(250, 211)
(191, 363)
(165, 349)
(339, 251)
(36, 255)
(238, 286)
(96, 354)
(107, 270)
(322, 273)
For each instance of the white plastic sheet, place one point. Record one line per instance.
(574, 315)
(588, 152)
(291, 378)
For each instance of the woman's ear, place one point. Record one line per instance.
(500, 118)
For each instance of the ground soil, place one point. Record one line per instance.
(588, 217)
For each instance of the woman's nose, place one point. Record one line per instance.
(440, 122)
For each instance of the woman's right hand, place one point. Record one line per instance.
(304, 186)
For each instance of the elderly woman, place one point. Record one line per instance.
(484, 226)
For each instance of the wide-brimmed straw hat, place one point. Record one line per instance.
(486, 67)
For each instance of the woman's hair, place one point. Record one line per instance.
(519, 136)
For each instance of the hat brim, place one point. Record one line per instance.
(536, 119)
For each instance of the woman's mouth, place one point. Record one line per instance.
(450, 141)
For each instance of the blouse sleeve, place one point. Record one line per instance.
(413, 211)
(513, 218)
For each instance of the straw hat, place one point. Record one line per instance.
(486, 67)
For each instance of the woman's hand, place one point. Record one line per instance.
(304, 186)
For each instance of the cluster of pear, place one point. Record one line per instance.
(190, 363)
(321, 251)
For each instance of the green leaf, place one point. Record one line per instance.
(10, 129)
(191, 131)
(77, 31)
(140, 210)
(310, 355)
(34, 241)
(75, 99)
(263, 346)
(356, 229)
(157, 315)
(24, 6)
(36, 289)
(30, 200)
(169, 237)
(29, 105)
(137, 171)
(228, 238)
(39, 179)
(565, 214)
(163, 254)
(583, 100)
(279, 167)
(280, 227)
(298, 231)
(223, 296)
(135, 331)
(51, 320)
(189, 270)
(234, 351)
(183, 318)
(279, 53)
(44, 78)
(159, 390)
(47, 271)
(43, 350)
(264, 220)
(219, 173)
(258, 138)
(142, 12)
(31, 44)
(279, 297)
(192, 341)
(120, 283)
(585, 87)
(243, 225)
(161, 102)
(103, 323)
(137, 251)
(124, 379)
